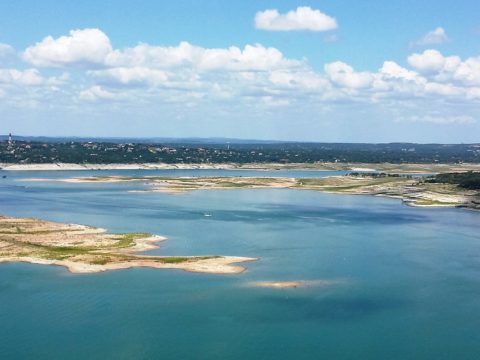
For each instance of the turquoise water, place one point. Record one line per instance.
(407, 280)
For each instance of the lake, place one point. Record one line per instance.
(404, 282)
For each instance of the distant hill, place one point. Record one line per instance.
(134, 140)
(213, 140)
(34, 150)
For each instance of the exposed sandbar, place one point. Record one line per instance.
(280, 284)
(320, 166)
(295, 284)
(413, 191)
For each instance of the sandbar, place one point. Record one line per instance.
(412, 191)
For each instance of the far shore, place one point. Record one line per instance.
(356, 167)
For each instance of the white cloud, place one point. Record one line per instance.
(343, 74)
(134, 76)
(440, 119)
(83, 48)
(299, 79)
(433, 61)
(468, 71)
(250, 58)
(96, 93)
(91, 48)
(443, 89)
(391, 69)
(447, 68)
(148, 73)
(6, 52)
(28, 88)
(29, 77)
(303, 18)
(154, 56)
(437, 36)
(393, 80)
(473, 93)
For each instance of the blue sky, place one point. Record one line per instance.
(311, 70)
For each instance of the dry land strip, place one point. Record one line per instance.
(320, 166)
(413, 191)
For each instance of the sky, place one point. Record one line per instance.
(329, 71)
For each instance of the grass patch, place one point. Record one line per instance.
(237, 185)
(434, 203)
(128, 240)
(173, 259)
(100, 261)
(64, 252)
(181, 259)
(23, 254)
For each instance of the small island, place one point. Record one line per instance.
(85, 249)
(280, 284)
(293, 284)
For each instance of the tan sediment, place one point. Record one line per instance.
(185, 184)
(219, 265)
(363, 169)
(280, 284)
(84, 249)
(320, 166)
(139, 166)
(295, 284)
(188, 183)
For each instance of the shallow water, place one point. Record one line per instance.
(405, 281)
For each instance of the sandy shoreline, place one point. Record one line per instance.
(223, 265)
(146, 166)
(361, 167)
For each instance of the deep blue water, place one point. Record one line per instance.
(408, 279)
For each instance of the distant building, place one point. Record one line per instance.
(10, 141)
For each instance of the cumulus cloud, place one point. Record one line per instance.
(28, 88)
(250, 58)
(303, 18)
(91, 48)
(433, 61)
(391, 69)
(437, 36)
(343, 74)
(251, 75)
(83, 48)
(447, 68)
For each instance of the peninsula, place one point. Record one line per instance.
(84, 249)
